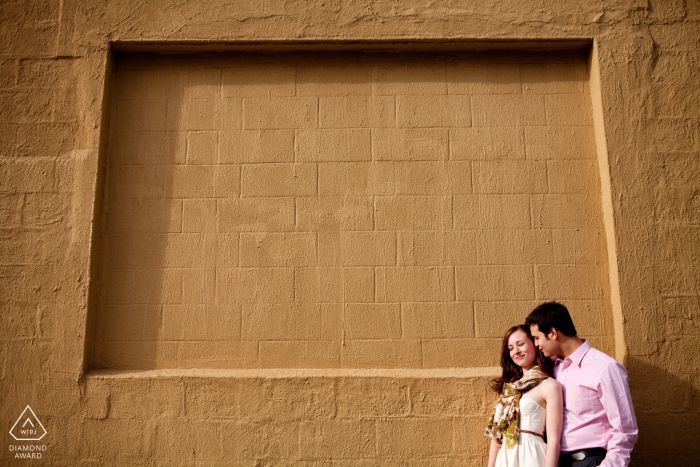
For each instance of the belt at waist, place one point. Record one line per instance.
(581, 454)
(532, 433)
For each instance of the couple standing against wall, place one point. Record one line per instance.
(586, 408)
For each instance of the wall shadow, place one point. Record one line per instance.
(134, 217)
(668, 414)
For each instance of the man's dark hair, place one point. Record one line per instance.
(552, 315)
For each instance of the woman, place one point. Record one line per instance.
(530, 401)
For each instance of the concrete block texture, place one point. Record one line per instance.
(305, 248)
(272, 250)
(342, 211)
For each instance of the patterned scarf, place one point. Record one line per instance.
(505, 420)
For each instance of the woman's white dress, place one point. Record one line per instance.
(530, 450)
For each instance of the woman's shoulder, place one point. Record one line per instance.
(550, 384)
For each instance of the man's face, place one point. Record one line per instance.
(547, 346)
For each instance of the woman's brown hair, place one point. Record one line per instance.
(511, 371)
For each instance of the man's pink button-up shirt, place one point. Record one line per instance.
(598, 411)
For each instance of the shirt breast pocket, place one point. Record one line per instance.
(583, 400)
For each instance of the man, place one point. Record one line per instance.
(600, 427)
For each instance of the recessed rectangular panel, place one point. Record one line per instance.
(348, 210)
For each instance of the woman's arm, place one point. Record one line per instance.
(493, 452)
(555, 416)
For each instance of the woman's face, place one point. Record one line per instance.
(522, 350)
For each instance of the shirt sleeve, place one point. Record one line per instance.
(617, 403)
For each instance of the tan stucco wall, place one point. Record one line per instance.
(413, 389)
(362, 210)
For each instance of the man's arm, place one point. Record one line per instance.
(617, 402)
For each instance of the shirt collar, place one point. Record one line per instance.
(578, 355)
